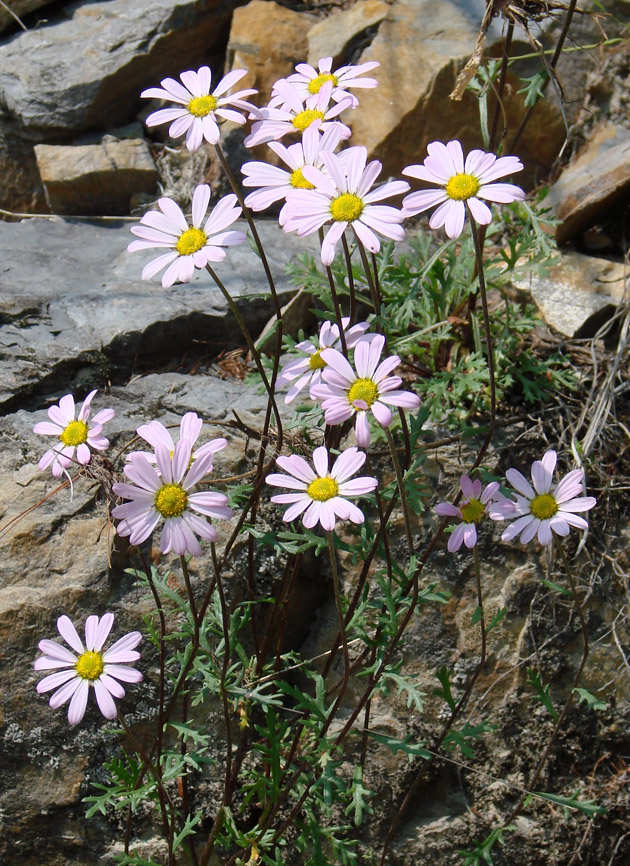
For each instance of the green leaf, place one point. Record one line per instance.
(587, 807)
(542, 693)
(359, 797)
(593, 702)
(445, 692)
(414, 750)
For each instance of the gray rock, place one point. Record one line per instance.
(73, 308)
(579, 294)
(87, 72)
(96, 178)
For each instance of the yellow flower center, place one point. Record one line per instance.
(365, 390)
(191, 241)
(170, 500)
(90, 665)
(473, 511)
(316, 84)
(76, 433)
(304, 119)
(346, 207)
(316, 362)
(298, 181)
(201, 106)
(544, 506)
(323, 489)
(462, 186)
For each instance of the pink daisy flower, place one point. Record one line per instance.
(288, 113)
(190, 246)
(307, 80)
(190, 426)
(343, 197)
(88, 666)
(346, 393)
(165, 492)
(476, 505)
(308, 370)
(197, 118)
(461, 184)
(73, 432)
(276, 182)
(542, 509)
(321, 495)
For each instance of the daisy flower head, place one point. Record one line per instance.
(275, 182)
(368, 388)
(190, 426)
(308, 370)
(200, 105)
(477, 503)
(75, 432)
(89, 665)
(307, 81)
(189, 245)
(321, 495)
(167, 492)
(342, 196)
(462, 185)
(540, 508)
(287, 113)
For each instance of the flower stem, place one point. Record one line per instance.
(401, 488)
(488, 336)
(340, 616)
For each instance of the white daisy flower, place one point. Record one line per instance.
(197, 119)
(322, 494)
(190, 426)
(73, 432)
(190, 246)
(88, 666)
(541, 510)
(307, 80)
(308, 370)
(168, 492)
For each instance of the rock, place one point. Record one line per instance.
(96, 178)
(74, 309)
(579, 294)
(597, 179)
(421, 46)
(335, 35)
(268, 40)
(87, 72)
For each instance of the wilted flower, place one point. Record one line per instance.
(309, 369)
(540, 509)
(321, 494)
(472, 509)
(88, 666)
(460, 183)
(165, 493)
(342, 196)
(190, 245)
(346, 393)
(73, 432)
(201, 107)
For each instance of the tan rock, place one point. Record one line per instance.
(421, 45)
(579, 294)
(331, 36)
(96, 178)
(598, 178)
(268, 40)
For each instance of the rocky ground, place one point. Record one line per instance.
(75, 315)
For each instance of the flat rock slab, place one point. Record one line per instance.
(95, 179)
(579, 294)
(599, 177)
(73, 308)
